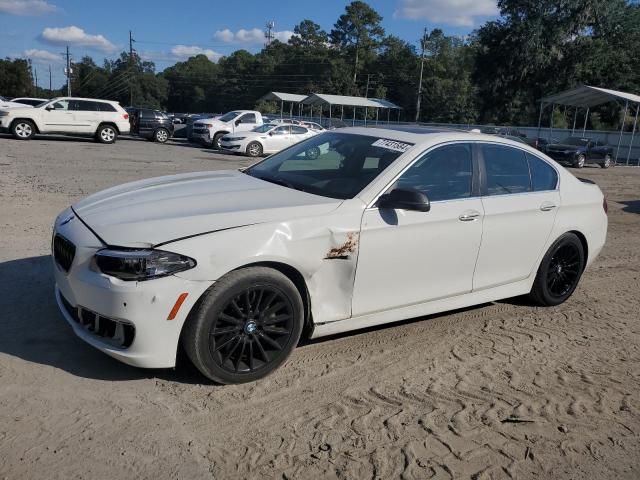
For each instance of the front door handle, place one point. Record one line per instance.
(469, 216)
(547, 206)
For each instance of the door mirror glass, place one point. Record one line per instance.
(405, 199)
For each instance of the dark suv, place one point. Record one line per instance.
(151, 124)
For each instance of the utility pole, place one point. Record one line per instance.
(423, 44)
(131, 51)
(50, 89)
(366, 94)
(35, 75)
(67, 71)
(268, 34)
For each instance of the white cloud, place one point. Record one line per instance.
(459, 13)
(26, 7)
(183, 52)
(250, 37)
(76, 36)
(42, 56)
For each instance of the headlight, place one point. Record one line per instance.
(234, 139)
(141, 264)
(3, 113)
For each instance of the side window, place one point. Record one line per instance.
(248, 118)
(507, 170)
(83, 106)
(104, 107)
(281, 130)
(543, 175)
(61, 105)
(298, 130)
(442, 174)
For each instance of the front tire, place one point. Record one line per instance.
(580, 161)
(106, 134)
(254, 149)
(215, 143)
(559, 271)
(23, 129)
(607, 162)
(161, 135)
(245, 326)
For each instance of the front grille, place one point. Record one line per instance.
(114, 332)
(63, 251)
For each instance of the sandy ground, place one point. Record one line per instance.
(502, 390)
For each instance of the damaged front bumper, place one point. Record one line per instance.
(129, 321)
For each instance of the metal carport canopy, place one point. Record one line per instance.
(587, 96)
(284, 97)
(345, 100)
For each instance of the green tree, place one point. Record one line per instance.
(15, 78)
(358, 32)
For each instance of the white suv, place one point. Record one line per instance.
(102, 119)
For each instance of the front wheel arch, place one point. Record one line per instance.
(35, 124)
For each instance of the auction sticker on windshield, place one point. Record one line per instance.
(392, 145)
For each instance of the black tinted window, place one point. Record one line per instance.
(105, 107)
(507, 170)
(298, 130)
(442, 174)
(84, 106)
(543, 175)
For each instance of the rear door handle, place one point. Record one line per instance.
(469, 216)
(547, 206)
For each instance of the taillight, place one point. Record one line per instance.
(605, 205)
(125, 116)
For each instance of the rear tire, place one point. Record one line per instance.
(245, 326)
(559, 272)
(23, 129)
(106, 134)
(254, 149)
(607, 162)
(161, 135)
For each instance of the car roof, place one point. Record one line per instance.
(426, 136)
(87, 99)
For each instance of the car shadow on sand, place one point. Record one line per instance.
(34, 330)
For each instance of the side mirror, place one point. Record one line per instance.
(50, 107)
(237, 122)
(271, 134)
(404, 199)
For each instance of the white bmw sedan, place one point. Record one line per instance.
(268, 138)
(382, 225)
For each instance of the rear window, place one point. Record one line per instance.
(543, 175)
(507, 170)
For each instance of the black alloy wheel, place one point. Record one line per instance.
(252, 329)
(559, 271)
(564, 270)
(245, 326)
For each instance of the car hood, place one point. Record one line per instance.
(159, 210)
(14, 106)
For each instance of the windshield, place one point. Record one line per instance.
(264, 128)
(227, 117)
(581, 142)
(335, 165)
(2, 99)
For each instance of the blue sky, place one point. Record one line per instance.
(169, 31)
